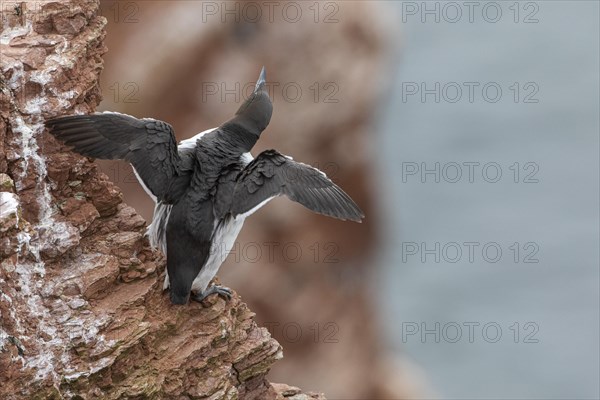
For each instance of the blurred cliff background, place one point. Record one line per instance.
(399, 102)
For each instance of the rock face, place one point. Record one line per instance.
(82, 313)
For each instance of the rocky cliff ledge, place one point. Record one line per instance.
(82, 313)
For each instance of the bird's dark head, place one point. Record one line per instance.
(255, 114)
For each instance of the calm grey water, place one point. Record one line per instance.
(509, 327)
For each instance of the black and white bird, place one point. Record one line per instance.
(205, 187)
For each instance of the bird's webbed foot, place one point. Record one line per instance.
(222, 291)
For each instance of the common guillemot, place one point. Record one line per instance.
(205, 187)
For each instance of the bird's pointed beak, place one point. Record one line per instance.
(262, 80)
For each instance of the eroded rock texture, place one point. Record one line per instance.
(82, 313)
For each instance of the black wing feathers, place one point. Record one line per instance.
(148, 144)
(273, 174)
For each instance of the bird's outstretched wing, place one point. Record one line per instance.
(148, 144)
(272, 174)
